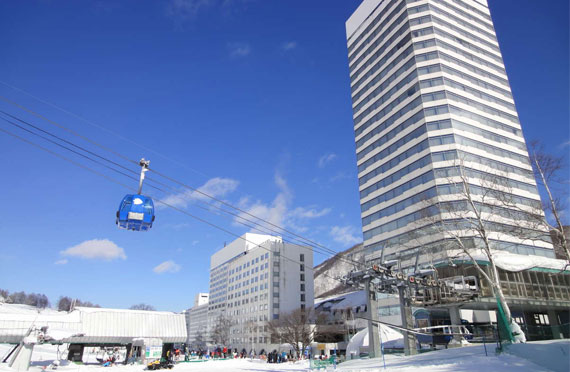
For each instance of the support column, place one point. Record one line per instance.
(21, 359)
(373, 334)
(554, 324)
(407, 321)
(455, 317)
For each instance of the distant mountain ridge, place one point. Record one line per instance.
(339, 265)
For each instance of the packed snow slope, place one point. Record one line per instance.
(554, 354)
(471, 358)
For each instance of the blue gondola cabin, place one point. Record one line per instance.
(136, 212)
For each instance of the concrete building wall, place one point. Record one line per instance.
(198, 325)
(201, 299)
(430, 92)
(259, 284)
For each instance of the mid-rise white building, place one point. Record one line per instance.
(197, 321)
(254, 279)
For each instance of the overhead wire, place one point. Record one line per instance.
(59, 138)
(119, 165)
(5, 99)
(334, 253)
(106, 159)
(254, 245)
(211, 224)
(301, 238)
(53, 105)
(98, 162)
(330, 251)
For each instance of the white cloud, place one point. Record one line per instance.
(279, 211)
(216, 187)
(346, 235)
(61, 262)
(185, 9)
(289, 45)
(239, 49)
(96, 249)
(167, 267)
(325, 159)
(310, 212)
(340, 176)
(275, 211)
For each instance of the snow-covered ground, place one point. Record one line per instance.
(464, 359)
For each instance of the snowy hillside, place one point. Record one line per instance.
(337, 266)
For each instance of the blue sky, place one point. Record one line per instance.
(247, 99)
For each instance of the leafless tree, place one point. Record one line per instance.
(38, 300)
(221, 331)
(85, 304)
(199, 342)
(547, 169)
(142, 306)
(33, 299)
(479, 210)
(293, 328)
(64, 303)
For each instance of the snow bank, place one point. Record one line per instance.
(464, 359)
(517, 333)
(389, 338)
(552, 354)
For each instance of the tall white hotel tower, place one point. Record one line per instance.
(429, 87)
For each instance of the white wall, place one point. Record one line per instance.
(360, 15)
(289, 278)
(244, 243)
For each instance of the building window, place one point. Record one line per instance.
(541, 319)
(302, 267)
(302, 257)
(302, 286)
(302, 277)
(302, 297)
(302, 306)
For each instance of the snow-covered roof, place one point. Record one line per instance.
(516, 262)
(98, 325)
(343, 301)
